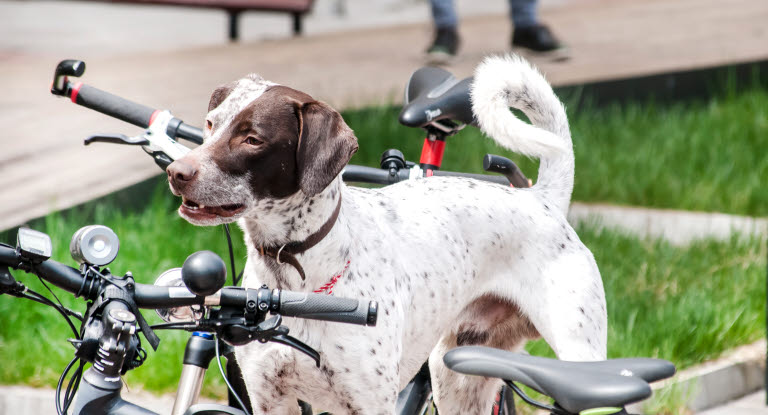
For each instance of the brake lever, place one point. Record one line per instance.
(8, 284)
(117, 139)
(297, 344)
(161, 159)
(271, 330)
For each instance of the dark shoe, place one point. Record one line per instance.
(539, 39)
(444, 47)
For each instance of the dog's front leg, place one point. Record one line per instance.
(270, 377)
(354, 380)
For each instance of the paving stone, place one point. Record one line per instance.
(44, 166)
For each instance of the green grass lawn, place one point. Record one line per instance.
(686, 304)
(707, 156)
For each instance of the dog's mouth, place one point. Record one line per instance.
(196, 210)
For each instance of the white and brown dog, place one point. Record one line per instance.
(451, 261)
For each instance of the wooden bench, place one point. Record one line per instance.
(297, 9)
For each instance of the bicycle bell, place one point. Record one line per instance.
(204, 273)
(94, 245)
(172, 279)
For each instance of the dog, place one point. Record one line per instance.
(451, 261)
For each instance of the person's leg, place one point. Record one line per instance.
(529, 34)
(444, 14)
(446, 40)
(523, 13)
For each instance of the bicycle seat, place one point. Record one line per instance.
(575, 386)
(434, 94)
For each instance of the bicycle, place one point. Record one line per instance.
(108, 335)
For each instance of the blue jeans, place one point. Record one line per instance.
(522, 13)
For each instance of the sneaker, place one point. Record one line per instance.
(444, 47)
(540, 40)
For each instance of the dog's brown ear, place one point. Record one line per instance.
(326, 143)
(220, 94)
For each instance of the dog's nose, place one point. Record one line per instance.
(180, 173)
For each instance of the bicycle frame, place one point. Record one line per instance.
(432, 153)
(198, 354)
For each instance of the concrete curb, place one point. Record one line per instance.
(25, 400)
(679, 227)
(738, 373)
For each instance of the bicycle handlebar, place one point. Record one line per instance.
(123, 109)
(483, 177)
(112, 105)
(327, 308)
(364, 174)
(143, 116)
(129, 111)
(287, 303)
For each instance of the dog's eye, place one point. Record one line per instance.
(251, 140)
(208, 124)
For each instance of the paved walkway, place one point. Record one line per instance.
(753, 404)
(173, 58)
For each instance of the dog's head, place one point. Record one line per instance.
(262, 141)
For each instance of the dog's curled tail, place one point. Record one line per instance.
(509, 81)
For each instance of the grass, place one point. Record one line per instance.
(699, 155)
(151, 241)
(685, 304)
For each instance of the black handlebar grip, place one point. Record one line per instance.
(328, 308)
(189, 133)
(111, 105)
(483, 177)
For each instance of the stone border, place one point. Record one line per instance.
(738, 373)
(26, 400)
(679, 227)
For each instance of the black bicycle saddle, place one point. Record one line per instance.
(575, 386)
(434, 94)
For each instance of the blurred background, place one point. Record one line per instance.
(668, 104)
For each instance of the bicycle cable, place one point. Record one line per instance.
(73, 386)
(532, 402)
(221, 370)
(39, 298)
(63, 376)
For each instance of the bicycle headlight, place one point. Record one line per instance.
(94, 245)
(172, 279)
